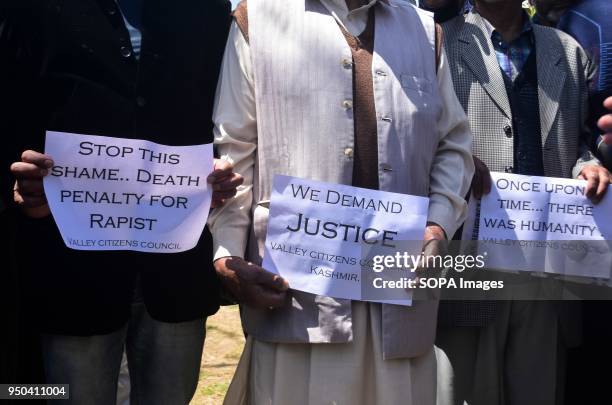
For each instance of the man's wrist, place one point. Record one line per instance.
(434, 231)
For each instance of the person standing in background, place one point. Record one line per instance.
(590, 23)
(140, 69)
(524, 88)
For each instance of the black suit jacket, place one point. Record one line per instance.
(68, 65)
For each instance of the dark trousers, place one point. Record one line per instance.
(588, 375)
(20, 355)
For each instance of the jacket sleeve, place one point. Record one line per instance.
(586, 156)
(236, 141)
(453, 166)
(20, 56)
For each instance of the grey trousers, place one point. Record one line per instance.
(163, 358)
(517, 359)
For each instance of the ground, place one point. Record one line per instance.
(222, 350)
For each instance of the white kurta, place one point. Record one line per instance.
(339, 374)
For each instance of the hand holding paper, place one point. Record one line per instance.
(250, 284)
(481, 182)
(598, 180)
(224, 182)
(28, 191)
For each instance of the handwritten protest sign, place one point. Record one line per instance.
(125, 194)
(541, 224)
(316, 232)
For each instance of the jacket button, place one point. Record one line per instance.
(347, 63)
(347, 104)
(508, 131)
(348, 152)
(141, 101)
(126, 52)
(509, 169)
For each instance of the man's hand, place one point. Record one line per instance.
(28, 191)
(481, 182)
(605, 122)
(251, 284)
(434, 244)
(224, 182)
(435, 241)
(598, 179)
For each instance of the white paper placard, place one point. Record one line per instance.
(125, 194)
(542, 225)
(316, 233)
